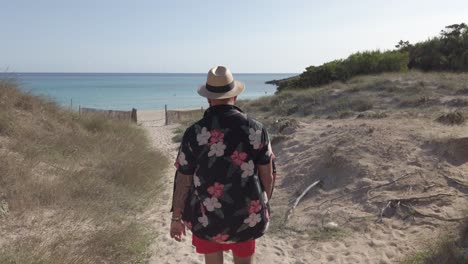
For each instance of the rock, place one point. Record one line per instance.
(330, 226)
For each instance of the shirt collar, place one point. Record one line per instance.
(221, 109)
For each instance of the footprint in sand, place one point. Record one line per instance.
(398, 234)
(279, 251)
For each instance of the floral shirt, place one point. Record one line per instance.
(226, 202)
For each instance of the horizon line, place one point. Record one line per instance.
(34, 72)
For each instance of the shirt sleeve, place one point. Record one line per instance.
(265, 151)
(186, 162)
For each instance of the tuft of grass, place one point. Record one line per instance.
(97, 172)
(5, 123)
(178, 133)
(185, 122)
(458, 102)
(443, 251)
(452, 118)
(462, 91)
(451, 248)
(418, 101)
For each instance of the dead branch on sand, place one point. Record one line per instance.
(399, 203)
(368, 187)
(298, 199)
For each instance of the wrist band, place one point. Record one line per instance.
(176, 219)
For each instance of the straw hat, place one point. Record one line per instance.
(220, 84)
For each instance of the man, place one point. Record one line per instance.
(224, 176)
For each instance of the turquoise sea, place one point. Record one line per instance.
(123, 91)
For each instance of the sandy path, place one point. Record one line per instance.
(168, 251)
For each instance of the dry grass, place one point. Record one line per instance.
(390, 92)
(97, 172)
(185, 121)
(453, 118)
(449, 249)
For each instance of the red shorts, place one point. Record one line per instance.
(241, 249)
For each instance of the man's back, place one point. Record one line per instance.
(222, 150)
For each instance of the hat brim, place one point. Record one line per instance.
(238, 89)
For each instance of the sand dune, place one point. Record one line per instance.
(391, 185)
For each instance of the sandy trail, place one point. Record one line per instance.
(364, 241)
(166, 250)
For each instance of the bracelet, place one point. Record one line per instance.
(176, 219)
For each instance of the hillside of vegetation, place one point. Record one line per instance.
(71, 186)
(391, 154)
(447, 52)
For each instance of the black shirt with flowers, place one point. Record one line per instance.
(226, 202)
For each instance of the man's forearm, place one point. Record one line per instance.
(268, 185)
(265, 173)
(182, 188)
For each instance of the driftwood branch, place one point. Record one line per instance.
(370, 188)
(298, 199)
(419, 198)
(406, 203)
(418, 213)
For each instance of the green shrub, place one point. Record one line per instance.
(447, 52)
(368, 62)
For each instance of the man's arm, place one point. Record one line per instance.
(265, 172)
(183, 182)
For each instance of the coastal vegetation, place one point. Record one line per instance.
(71, 186)
(446, 52)
(452, 248)
(436, 95)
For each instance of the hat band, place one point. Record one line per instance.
(220, 89)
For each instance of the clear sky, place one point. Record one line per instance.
(191, 36)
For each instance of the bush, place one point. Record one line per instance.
(447, 52)
(369, 62)
(453, 118)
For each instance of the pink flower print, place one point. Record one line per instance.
(255, 207)
(176, 164)
(220, 237)
(238, 157)
(267, 215)
(216, 136)
(188, 225)
(217, 190)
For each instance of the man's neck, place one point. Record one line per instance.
(216, 104)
